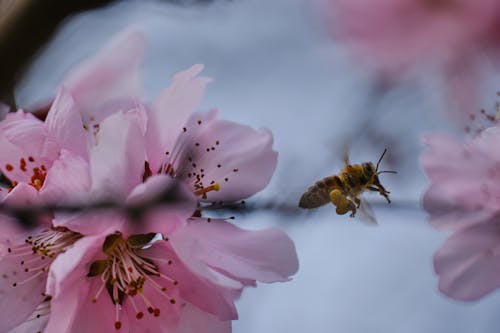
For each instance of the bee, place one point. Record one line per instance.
(343, 190)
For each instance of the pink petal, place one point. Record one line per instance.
(447, 215)
(172, 109)
(18, 303)
(117, 161)
(195, 289)
(468, 263)
(459, 171)
(178, 206)
(93, 223)
(64, 122)
(69, 177)
(394, 34)
(195, 320)
(98, 317)
(109, 81)
(486, 143)
(236, 156)
(72, 309)
(23, 195)
(24, 136)
(266, 255)
(9, 231)
(32, 325)
(169, 313)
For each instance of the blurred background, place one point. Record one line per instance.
(276, 65)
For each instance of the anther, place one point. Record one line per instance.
(202, 191)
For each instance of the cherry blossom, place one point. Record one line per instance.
(164, 268)
(140, 282)
(48, 162)
(464, 198)
(401, 38)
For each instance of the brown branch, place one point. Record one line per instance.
(25, 26)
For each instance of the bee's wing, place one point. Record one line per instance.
(345, 153)
(366, 213)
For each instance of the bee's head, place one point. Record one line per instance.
(369, 169)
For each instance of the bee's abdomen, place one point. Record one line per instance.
(319, 193)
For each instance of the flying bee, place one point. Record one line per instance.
(343, 190)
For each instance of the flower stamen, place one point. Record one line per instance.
(38, 252)
(125, 271)
(204, 190)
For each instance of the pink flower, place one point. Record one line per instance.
(395, 34)
(132, 283)
(39, 162)
(464, 197)
(396, 37)
(49, 162)
(167, 270)
(36, 153)
(46, 162)
(202, 264)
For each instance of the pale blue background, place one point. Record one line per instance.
(275, 66)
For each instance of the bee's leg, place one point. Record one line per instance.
(357, 202)
(378, 187)
(383, 192)
(342, 203)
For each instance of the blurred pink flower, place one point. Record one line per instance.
(396, 37)
(464, 197)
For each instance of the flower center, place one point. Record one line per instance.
(126, 271)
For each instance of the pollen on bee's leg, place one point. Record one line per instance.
(337, 198)
(342, 203)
